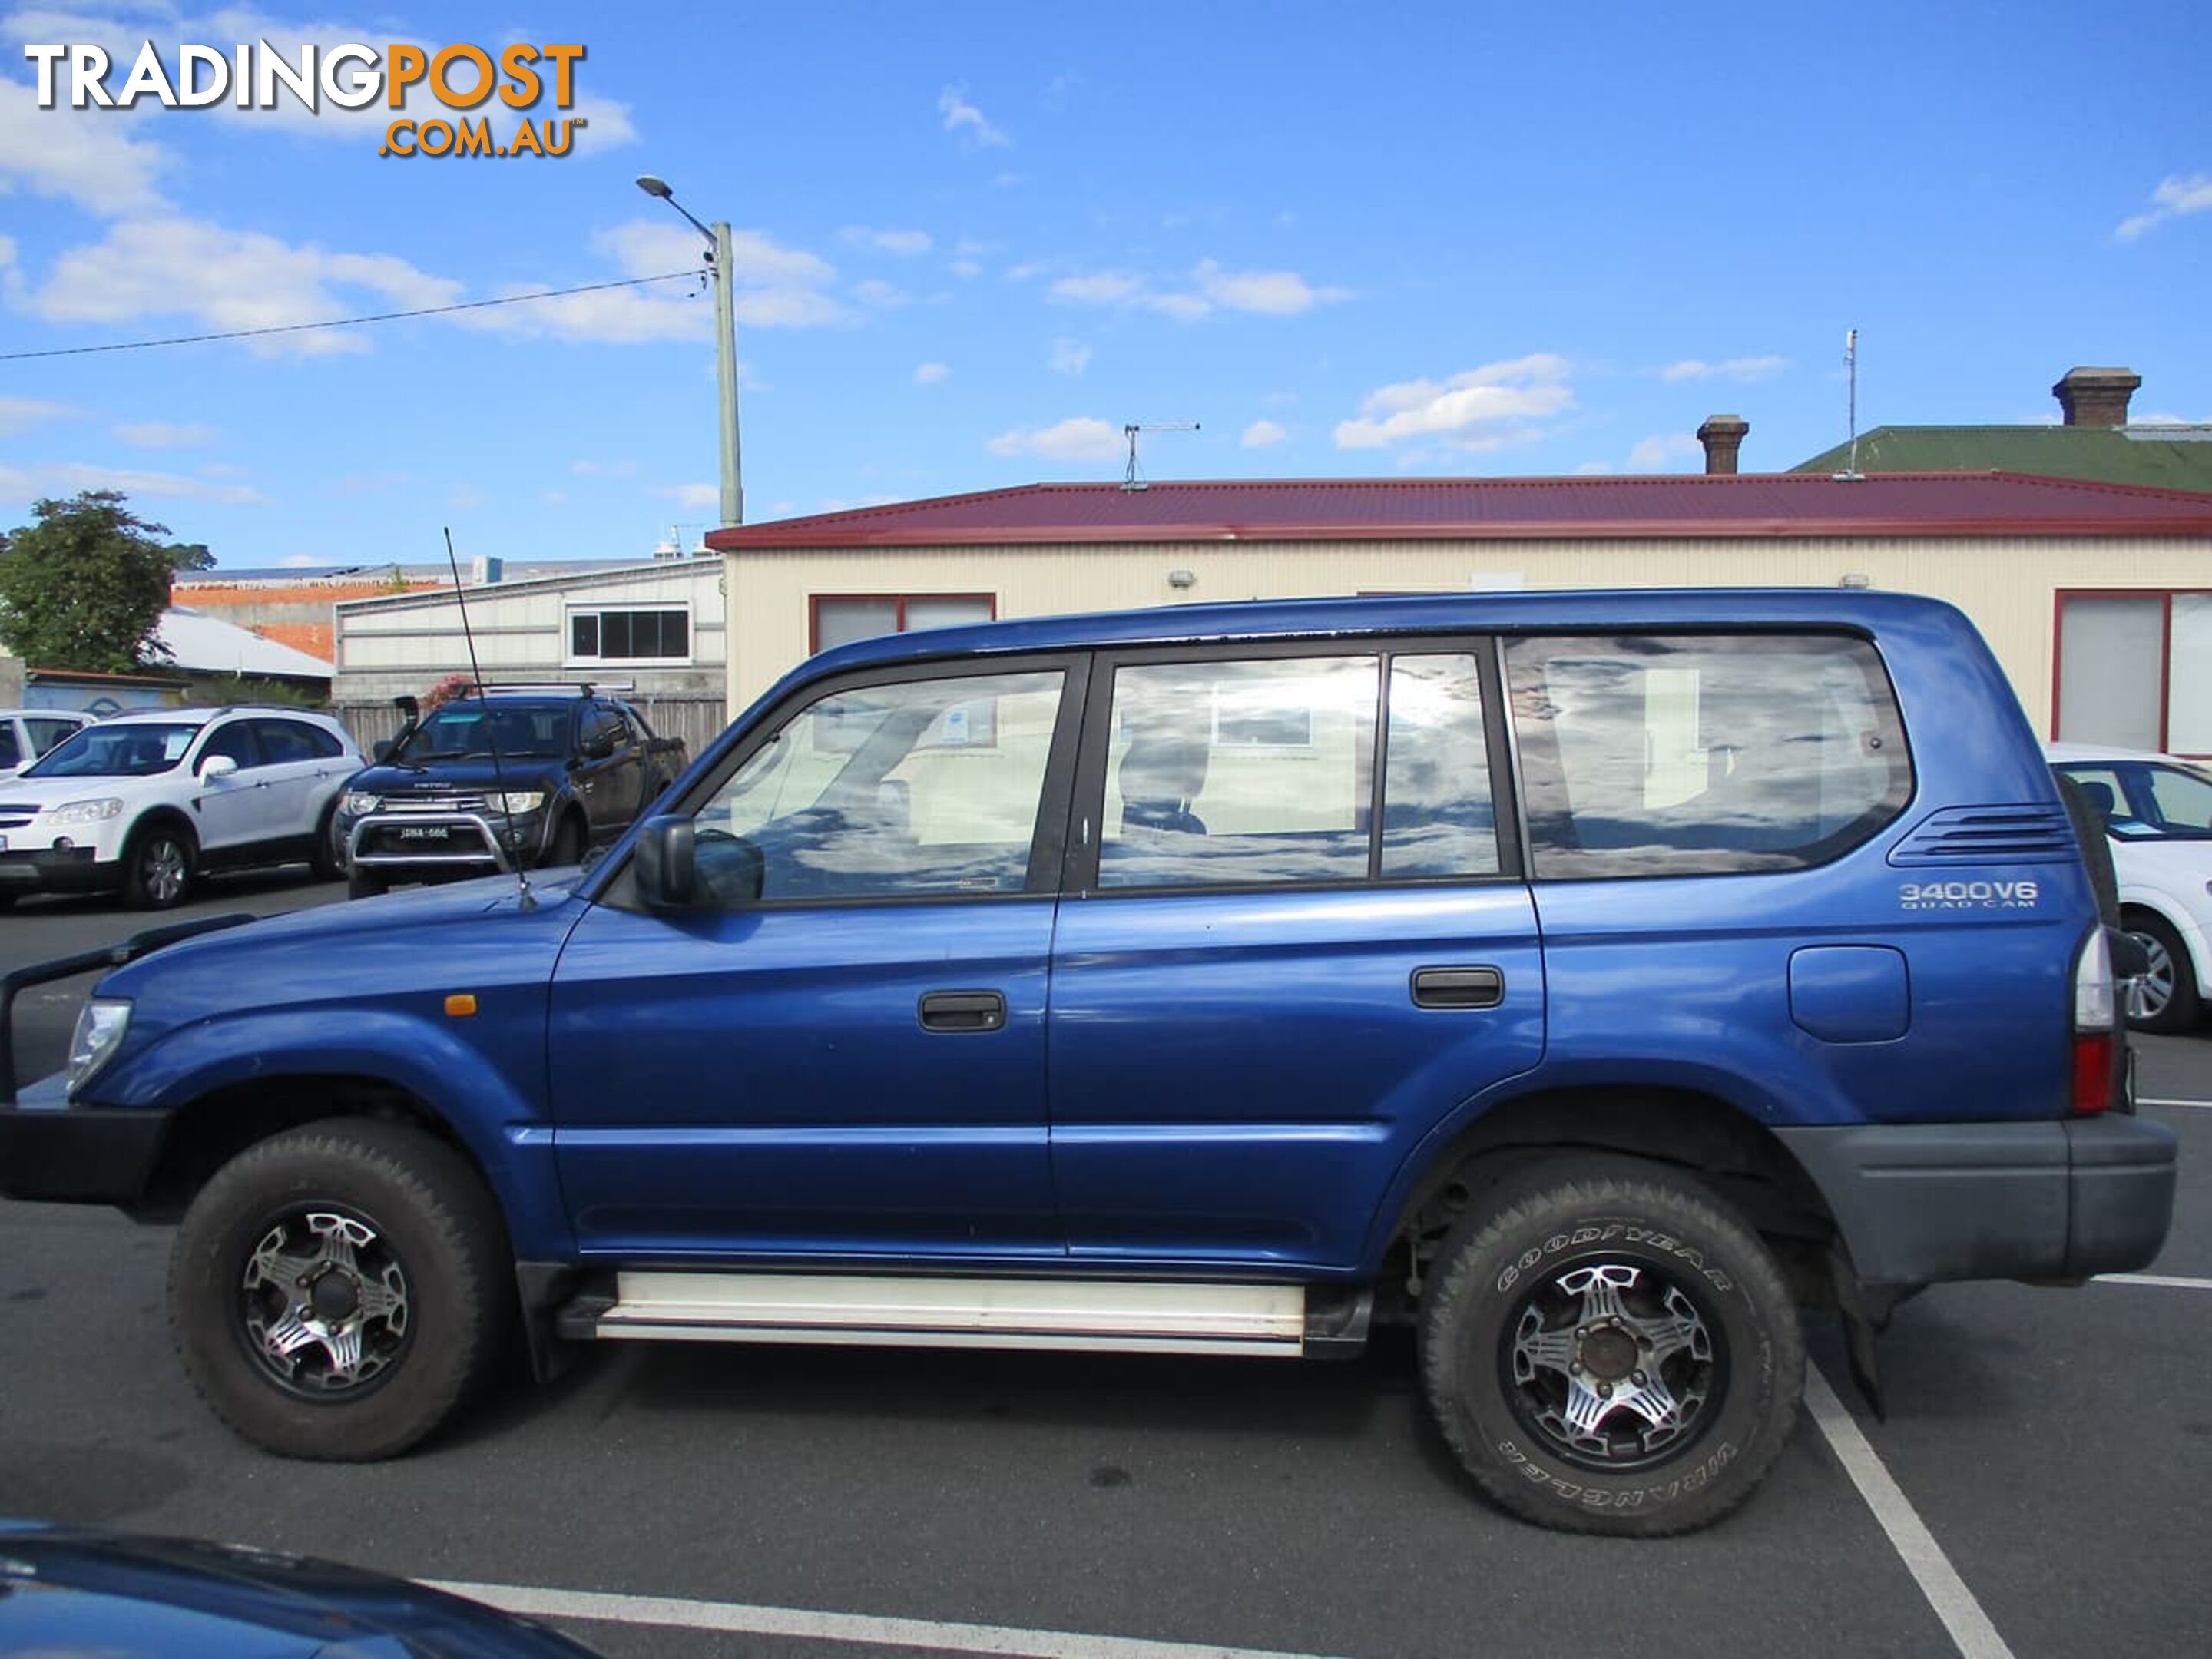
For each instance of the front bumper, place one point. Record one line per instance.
(410, 841)
(44, 870)
(1925, 1203)
(53, 1152)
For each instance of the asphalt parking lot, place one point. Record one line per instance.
(2035, 1490)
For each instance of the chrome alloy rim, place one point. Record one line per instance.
(1613, 1363)
(324, 1304)
(2151, 990)
(164, 869)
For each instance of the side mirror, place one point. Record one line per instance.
(599, 745)
(217, 766)
(2130, 957)
(667, 864)
(382, 750)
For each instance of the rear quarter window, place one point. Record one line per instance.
(1651, 755)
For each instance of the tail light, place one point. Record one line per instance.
(2096, 1020)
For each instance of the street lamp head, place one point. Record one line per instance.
(652, 187)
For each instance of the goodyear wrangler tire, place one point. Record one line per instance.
(338, 1292)
(1609, 1349)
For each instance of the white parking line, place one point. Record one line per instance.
(1971, 1632)
(2201, 1105)
(806, 1625)
(2164, 1281)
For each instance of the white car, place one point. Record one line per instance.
(27, 733)
(2158, 820)
(146, 803)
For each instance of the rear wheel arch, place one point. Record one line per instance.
(1736, 1157)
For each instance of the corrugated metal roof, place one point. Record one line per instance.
(1395, 509)
(205, 644)
(2154, 457)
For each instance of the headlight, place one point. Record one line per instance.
(355, 805)
(86, 811)
(100, 1031)
(517, 801)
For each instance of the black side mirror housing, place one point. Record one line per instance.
(2130, 960)
(667, 863)
(599, 745)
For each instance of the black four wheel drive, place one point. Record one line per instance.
(499, 780)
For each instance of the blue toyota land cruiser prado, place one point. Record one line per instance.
(1589, 980)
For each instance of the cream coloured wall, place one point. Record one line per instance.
(2007, 585)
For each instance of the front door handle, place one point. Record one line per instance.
(1458, 987)
(963, 1011)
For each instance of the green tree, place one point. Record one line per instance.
(84, 588)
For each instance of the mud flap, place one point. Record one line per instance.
(1864, 1316)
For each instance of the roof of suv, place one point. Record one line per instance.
(201, 716)
(1355, 617)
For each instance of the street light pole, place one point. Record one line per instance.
(721, 259)
(725, 375)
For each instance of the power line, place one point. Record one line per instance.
(348, 322)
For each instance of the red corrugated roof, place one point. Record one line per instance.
(1437, 509)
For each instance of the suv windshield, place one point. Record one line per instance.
(469, 730)
(138, 750)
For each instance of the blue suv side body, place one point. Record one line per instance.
(1185, 1030)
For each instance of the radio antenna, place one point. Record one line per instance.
(491, 732)
(1851, 474)
(1131, 479)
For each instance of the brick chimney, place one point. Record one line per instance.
(1723, 435)
(2096, 396)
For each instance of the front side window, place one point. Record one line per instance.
(11, 752)
(1686, 755)
(886, 792)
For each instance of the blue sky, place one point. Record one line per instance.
(974, 240)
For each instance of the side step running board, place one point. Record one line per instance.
(1287, 1320)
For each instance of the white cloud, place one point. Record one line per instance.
(1482, 409)
(930, 374)
(1664, 453)
(965, 268)
(21, 414)
(1082, 438)
(166, 434)
(693, 495)
(465, 498)
(1025, 269)
(2173, 198)
(2166, 420)
(904, 243)
(1735, 368)
(1596, 470)
(966, 121)
(1261, 433)
(1271, 292)
(84, 156)
(881, 294)
(1068, 356)
(68, 477)
(228, 279)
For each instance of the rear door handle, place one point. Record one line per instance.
(963, 1011)
(1458, 987)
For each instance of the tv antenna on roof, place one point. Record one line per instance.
(1129, 479)
(1851, 474)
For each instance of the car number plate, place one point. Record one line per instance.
(426, 832)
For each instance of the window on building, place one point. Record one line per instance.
(1645, 756)
(841, 618)
(660, 633)
(2134, 671)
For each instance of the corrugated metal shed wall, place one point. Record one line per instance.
(2006, 585)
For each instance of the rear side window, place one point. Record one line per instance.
(44, 734)
(1647, 755)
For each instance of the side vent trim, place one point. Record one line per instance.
(1988, 835)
